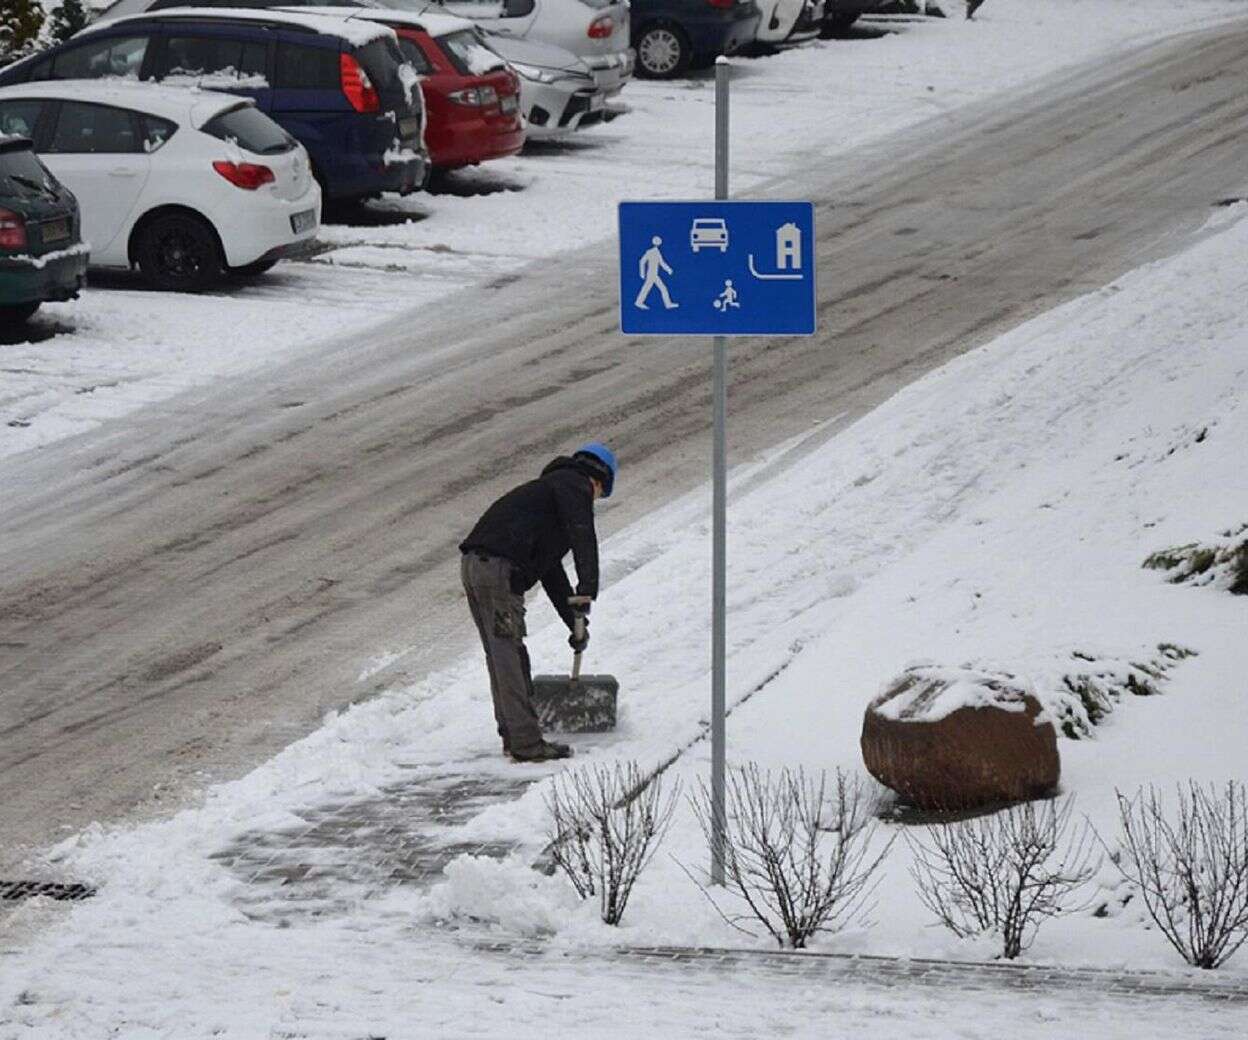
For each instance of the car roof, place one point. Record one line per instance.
(434, 23)
(358, 33)
(176, 103)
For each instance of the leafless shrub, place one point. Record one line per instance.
(1191, 867)
(605, 826)
(788, 866)
(1006, 873)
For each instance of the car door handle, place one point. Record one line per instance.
(122, 171)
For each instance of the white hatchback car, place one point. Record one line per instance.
(185, 184)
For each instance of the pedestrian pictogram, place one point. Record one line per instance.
(651, 264)
(719, 268)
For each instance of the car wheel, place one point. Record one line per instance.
(663, 51)
(253, 270)
(178, 252)
(18, 312)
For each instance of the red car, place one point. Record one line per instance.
(472, 99)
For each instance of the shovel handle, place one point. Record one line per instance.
(578, 629)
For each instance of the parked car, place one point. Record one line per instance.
(42, 256)
(472, 99)
(672, 35)
(185, 185)
(787, 22)
(596, 31)
(558, 92)
(341, 88)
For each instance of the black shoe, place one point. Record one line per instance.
(543, 752)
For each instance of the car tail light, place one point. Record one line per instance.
(601, 27)
(12, 230)
(477, 97)
(725, 4)
(357, 86)
(248, 176)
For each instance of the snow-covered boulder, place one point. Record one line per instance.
(960, 738)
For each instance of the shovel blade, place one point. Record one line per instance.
(583, 705)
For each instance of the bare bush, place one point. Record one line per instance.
(606, 823)
(1006, 873)
(791, 869)
(1191, 868)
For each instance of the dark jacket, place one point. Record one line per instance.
(536, 524)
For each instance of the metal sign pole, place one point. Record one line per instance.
(719, 587)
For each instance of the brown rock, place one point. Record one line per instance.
(957, 738)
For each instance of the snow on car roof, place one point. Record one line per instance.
(434, 24)
(178, 103)
(358, 33)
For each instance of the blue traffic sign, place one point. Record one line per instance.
(717, 268)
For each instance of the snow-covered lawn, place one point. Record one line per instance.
(998, 512)
(120, 347)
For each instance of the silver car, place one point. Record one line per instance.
(596, 31)
(558, 94)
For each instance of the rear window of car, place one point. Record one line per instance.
(300, 67)
(23, 176)
(380, 58)
(468, 54)
(251, 129)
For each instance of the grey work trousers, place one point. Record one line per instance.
(499, 616)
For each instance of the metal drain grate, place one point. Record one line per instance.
(12, 891)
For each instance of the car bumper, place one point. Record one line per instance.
(469, 141)
(611, 71)
(54, 276)
(266, 230)
(557, 115)
(714, 32)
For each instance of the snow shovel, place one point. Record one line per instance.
(576, 703)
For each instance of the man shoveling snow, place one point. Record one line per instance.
(521, 540)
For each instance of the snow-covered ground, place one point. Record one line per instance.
(120, 347)
(998, 512)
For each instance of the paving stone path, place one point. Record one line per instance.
(341, 854)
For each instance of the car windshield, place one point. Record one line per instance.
(468, 54)
(23, 176)
(249, 128)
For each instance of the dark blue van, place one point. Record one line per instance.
(341, 88)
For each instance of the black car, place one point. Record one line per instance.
(42, 256)
(342, 89)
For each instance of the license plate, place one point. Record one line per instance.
(509, 103)
(596, 102)
(303, 221)
(409, 127)
(55, 231)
